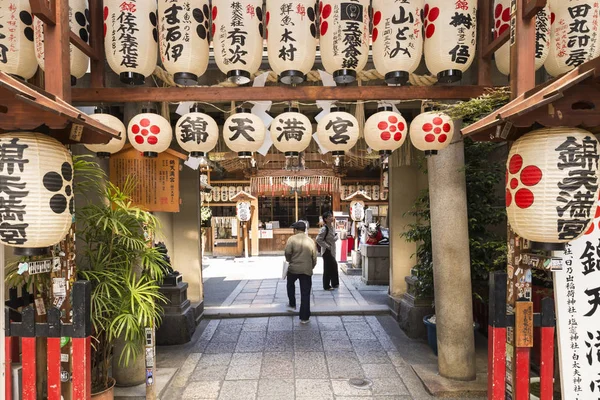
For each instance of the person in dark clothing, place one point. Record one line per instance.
(326, 240)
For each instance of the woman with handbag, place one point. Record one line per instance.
(326, 240)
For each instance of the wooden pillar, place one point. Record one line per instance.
(57, 53)
(97, 43)
(522, 49)
(484, 67)
(2, 327)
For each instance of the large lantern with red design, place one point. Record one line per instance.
(338, 131)
(197, 132)
(450, 37)
(552, 185)
(149, 133)
(385, 131)
(344, 41)
(17, 56)
(244, 132)
(237, 32)
(291, 132)
(183, 39)
(397, 39)
(431, 131)
(131, 38)
(115, 144)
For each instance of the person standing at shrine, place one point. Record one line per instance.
(301, 254)
(326, 240)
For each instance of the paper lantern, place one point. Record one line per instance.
(115, 144)
(397, 39)
(242, 210)
(450, 37)
(338, 131)
(224, 193)
(217, 193)
(573, 36)
(344, 42)
(149, 133)
(357, 210)
(375, 195)
(385, 131)
(431, 131)
(79, 21)
(552, 184)
(292, 44)
(244, 133)
(196, 132)
(183, 39)
(17, 55)
(37, 172)
(291, 132)
(131, 38)
(237, 32)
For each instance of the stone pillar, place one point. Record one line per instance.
(452, 273)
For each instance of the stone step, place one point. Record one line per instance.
(275, 310)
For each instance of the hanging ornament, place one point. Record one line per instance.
(338, 131)
(197, 132)
(292, 45)
(115, 144)
(39, 208)
(397, 39)
(431, 131)
(131, 39)
(244, 132)
(385, 131)
(450, 37)
(344, 42)
(237, 32)
(149, 133)
(17, 55)
(291, 132)
(552, 185)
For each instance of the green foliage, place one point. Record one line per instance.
(474, 109)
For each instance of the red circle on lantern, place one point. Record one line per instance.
(398, 136)
(524, 198)
(531, 175)
(139, 139)
(152, 140)
(401, 126)
(105, 30)
(437, 130)
(393, 119)
(393, 128)
(145, 122)
(324, 26)
(320, 7)
(514, 182)
(515, 164)
(434, 14)
(385, 135)
(427, 127)
(498, 22)
(597, 212)
(214, 13)
(268, 17)
(213, 29)
(375, 34)
(145, 132)
(502, 29)
(429, 138)
(377, 18)
(105, 12)
(590, 230)
(382, 125)
(498, 10)
(425, 10)
(266, 33)
(442, 138)
(446, 127)
(135, 128)
(429, 31)
(155, 129)
(326, 11)
(506, 15)
(508, 198)
(552, 17)
(438, 121)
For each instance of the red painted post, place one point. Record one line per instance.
(522, 355)
(82, 368)
(53, 368)
(8, 367)
(497, 337)
(547, 344)
(29, 368)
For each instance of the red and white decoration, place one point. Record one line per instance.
(183, 39)
(131, 38)
(197, 132)
(242, 210)
(149, 133)
(244, 133)
(115, 144)
(357, 210)
(552, 184)
(291, 38)
(291, 132)
(431, 131)
(344, 41)
(17, 55)
(338, 132)
(450, 37)
(397, 38)
(385, 131)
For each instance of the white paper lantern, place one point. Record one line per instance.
(574, 37)
(131, 38)
(38, 195)
(375, 194)
(224, 193)
(244, 133)
(17, 55)
(79, 21)
(197, 132)
(115, 144)
(357, 210)
(242, 209)
(217, 193)
(338, 132)
(552, 184)
(431, 131)
(183, 39)
(232, 192)
(397, 39)
(291, 132)
(343, 191)
(450, 37)
(344, 42)
(149, 133)
(237, 33)
(385, 131)
(292, 44)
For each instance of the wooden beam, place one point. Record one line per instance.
(273, 93)
(484, 66)
(40, 9)
(491, 48)
(83, 46)
(532, 7)
(97, 43)
(522, 52)
(57, 53)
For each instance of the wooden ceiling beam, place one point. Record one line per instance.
(40, 9)
(83, 46)
(532, 7)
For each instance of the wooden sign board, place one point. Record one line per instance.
(524, 324)
(157, 178)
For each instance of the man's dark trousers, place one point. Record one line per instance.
(330, 271)
(305, 286)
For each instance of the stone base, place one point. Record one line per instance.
(439, 386)
(161, 381)
(349, 269)
(375, 264)
(409, 313)
(178, 321)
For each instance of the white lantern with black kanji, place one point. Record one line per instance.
(344, 41)
(291, 132)
(338, 131)
(79, 21)
(431, 131)
(385, 131)
(552, 185)
(149, 133)
(131, 38)
(244, 132)
(115, 144)
(291, 33)
(183, 39)
(17, 55)
(237, 32)
(357, 210)
(197, 132)
(450, 37)
(242, 210)
(574, 35)
(397, 39)
(37, 202)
